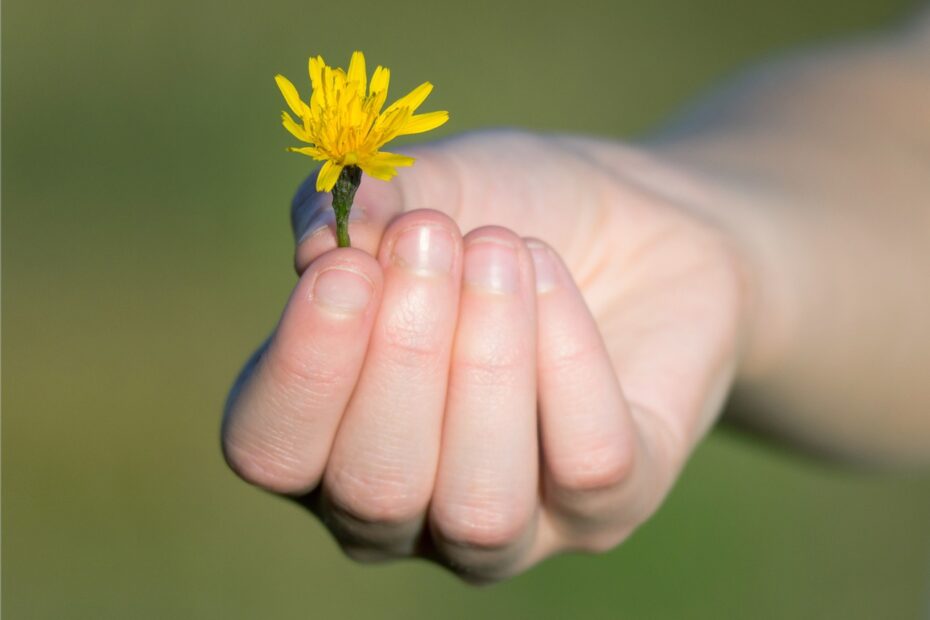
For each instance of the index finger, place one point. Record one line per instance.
(280, 426)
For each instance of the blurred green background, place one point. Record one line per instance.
(146, 251)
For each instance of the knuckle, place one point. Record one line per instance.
(602, 542)
(367, 554)
(287, 369)
(387, 497)
(567, 356)
(478, 576)
(491, 360)
(270, 469)
(596, 468)
(488, 375)
(411, 334)
(486, 526)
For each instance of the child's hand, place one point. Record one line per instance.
(477, 400)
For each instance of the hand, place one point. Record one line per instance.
(491, 400)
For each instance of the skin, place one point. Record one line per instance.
(531, 333)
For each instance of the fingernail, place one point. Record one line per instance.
(425, 250)
(492, 264)
(543, 266)
(342, 290)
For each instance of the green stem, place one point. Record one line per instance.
(343, 195)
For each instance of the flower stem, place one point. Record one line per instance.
(343, 195)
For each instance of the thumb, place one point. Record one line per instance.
(429, 183)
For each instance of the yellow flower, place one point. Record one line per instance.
(344, 122)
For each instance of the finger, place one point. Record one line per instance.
(381, 473)
(587, 434)
(484, 506)
(279, 428)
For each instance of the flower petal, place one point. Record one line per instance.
(388, 124)
(379, 81)
(423, 122)
(384, 173)
(391, 159)
(316, 65)
(342, 121)
(291, 96)
(357, 71)
(327, 87)
(382, 165)
(296, 130)
(328, 175)
(413, 99)
(310, 151)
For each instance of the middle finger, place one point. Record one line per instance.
(484, 506)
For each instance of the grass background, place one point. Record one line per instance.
(146, 251)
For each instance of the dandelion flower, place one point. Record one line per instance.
(345, 127)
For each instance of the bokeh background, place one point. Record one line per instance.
(146, 251)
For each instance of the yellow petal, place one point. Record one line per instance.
(357, 71)
(316, 72)
(379, 81)
(388, 124)
(391, 159)
(385, 173)
(413, 99)
(328, 175)
(382, 165)
(353, 105)
(376, 99)
(296, 130)
(339, 80)
(327, 91)
(291, 96)
(309, 151)
(423, 122)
